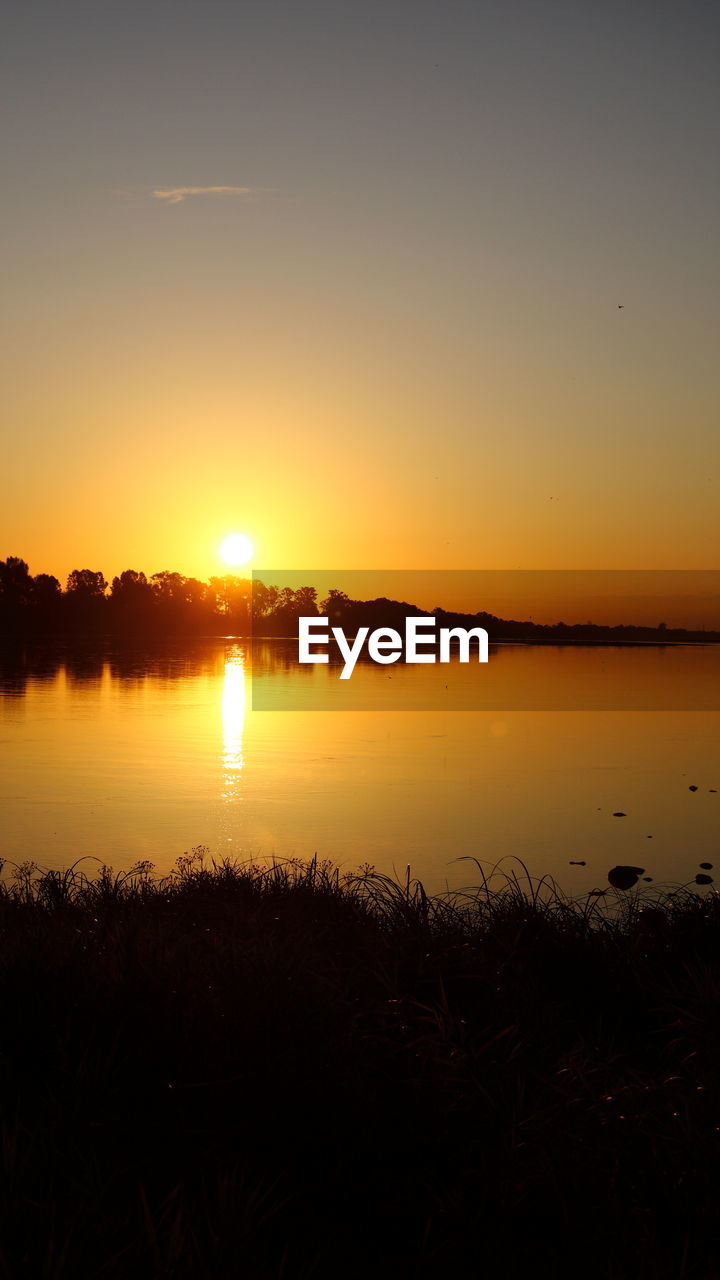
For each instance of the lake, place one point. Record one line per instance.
(131, 755)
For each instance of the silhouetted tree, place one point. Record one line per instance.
(85, 600)
(232, 597)
(15, 595)
(15, 582)
(132, 601)
(306, 602)
(334, 605)
(86, 582)
(264, 600)
(168, 585)
(280, 618)
(130, 583)
(46, 603)
(46, 589)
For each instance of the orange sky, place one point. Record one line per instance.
(348, 280)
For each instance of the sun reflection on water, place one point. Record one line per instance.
(233, 722)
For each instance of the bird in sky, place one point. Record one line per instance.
(621, 306)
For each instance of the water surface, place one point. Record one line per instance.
(129, 755)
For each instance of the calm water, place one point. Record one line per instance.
(127, 756)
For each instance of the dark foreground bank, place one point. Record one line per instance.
(238, 1072)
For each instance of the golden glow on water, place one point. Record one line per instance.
(233, 705)
(132, 756)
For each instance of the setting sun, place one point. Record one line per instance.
(237, 549)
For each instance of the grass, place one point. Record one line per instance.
(280, 1071)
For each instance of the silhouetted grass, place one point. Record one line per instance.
(281, 1071)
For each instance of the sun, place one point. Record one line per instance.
(237, 549)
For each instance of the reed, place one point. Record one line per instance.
(278, 1069)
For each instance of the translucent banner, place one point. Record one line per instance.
(486, 640)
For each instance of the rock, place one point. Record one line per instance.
(624, 877)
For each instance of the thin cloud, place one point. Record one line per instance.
(176, 195)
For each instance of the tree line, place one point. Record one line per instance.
(132, 603)
(170, 603)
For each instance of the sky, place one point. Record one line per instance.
(400, 284)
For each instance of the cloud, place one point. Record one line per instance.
(176, 195)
